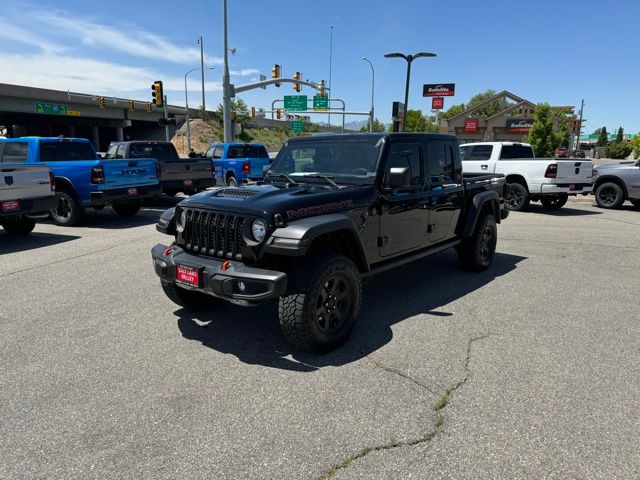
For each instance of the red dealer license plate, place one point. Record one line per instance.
(187, 275)
(572, 186)
(188, 183)
(132, 192)
(10, 206)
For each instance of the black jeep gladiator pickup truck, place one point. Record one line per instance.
(331, 211)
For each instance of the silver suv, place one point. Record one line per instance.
(616, 182)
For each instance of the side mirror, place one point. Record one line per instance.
(399, 177)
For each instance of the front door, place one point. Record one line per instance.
(445, 188)
(404, 214)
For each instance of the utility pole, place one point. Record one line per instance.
(330, 63)
(202, 71)
(227, 93)
(166, 116)
(579, 125)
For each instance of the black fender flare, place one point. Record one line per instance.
(167, 222)
(490, 197)
(64, 181)
(301, 233)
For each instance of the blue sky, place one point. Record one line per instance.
(558, 52)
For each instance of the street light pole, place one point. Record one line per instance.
(373, 84)
(226, 84)
(186, 104)
(204, 109)
(409, 59)
(330, 63)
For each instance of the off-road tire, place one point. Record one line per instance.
(18, 225)
(554, 202)
(68, 212)
(477, 251)
(609, 195)
(518, 200)
(316, 290)
(231, 181)
(187, 298)
(127, 209)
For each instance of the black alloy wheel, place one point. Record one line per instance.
(609, 195)
(333, 304)
(68, 212)
(518, 199)
(554, 202)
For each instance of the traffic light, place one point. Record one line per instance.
(297, 77)
(276, 72)
(253, 112)
(132, 105)
(157, 94)
(101, 102)
(148, 106)
(278, 114)
(321, 92)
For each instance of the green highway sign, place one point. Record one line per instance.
(297, 126)
(320, 103)
(295, 103)
(52, 108)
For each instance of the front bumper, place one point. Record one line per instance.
(571, 189)
(108, 197)
(33, 206)
(260, 284)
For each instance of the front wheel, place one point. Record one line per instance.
(609, 195)
(518, 200)
(68, 212)
(187, 298)
(127, 209)
(322, 303)
(477, 251)
(554, 202)
(18, 225)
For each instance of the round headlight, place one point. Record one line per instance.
(181, 221)
(259, 230)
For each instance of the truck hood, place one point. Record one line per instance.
(291, 202)
(614, 166)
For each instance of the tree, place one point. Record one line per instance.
(239, 113)
(620, 135)
(635, 144)
(453, 111)
(488, 110)
(377, 126)
(618, 150)
(564, 129)
(417, 122)
(603, 138)
(541, 136)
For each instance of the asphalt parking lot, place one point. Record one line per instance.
(529, 370)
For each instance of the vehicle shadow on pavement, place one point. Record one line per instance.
(11, 244)
(563, 212)
(253, 334)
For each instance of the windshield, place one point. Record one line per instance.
(346, 161)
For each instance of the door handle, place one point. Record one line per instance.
(484, 167)
(449, 185)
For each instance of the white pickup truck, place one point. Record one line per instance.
(548, 180)
(25, 191)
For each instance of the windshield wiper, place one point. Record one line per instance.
(325, 178)
(281, 175)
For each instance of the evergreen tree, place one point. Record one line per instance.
(603, 138)
(620, 135)
(377, 126)
(541, 136)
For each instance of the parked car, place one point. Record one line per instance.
(547, 180)
(25, 191)
(579, 154)
(238, 163)
(562, 152)
(84, 180)
(188, 175)
(333, 210)
(617, 182)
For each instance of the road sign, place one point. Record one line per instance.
(262, 79)
(438, 89)
(320, 103)
(437, 103)
(73, 113)
(295, 103)
(297, 126)
(52, 108)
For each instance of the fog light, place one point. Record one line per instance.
(242, 287)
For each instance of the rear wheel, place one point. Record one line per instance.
(322, 303)
(18, 225)
(554, 202)
(187, 298)
(68, 212)
(477, 251)
(518, 199)
(127, 209)
(231, 181)
(609, 195)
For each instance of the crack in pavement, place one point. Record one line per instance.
(438, 409)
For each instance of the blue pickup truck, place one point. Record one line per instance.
(237, 163)
(83, 179)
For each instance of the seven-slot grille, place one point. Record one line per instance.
(214, 233)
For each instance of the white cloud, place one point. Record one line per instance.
(245, 72)
(27, 37)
